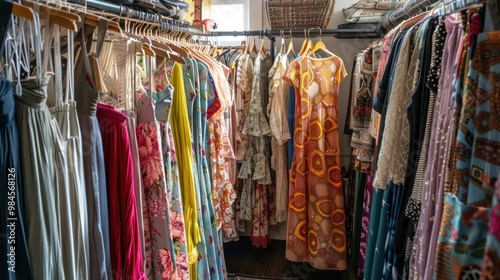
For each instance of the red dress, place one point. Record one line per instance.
(126, 252)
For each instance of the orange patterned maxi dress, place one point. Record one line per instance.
(316, 217)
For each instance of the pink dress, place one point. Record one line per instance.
(125, 240)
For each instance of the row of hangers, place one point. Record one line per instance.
(307, 47)
(443, 8)
(60, 13)
(158, 38)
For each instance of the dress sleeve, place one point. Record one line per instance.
(341, 72)
(292, 73)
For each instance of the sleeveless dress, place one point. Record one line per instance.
(86, 98)
(12, 189)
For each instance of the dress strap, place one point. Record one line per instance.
(101, 35)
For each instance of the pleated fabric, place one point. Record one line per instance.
(71, 196)
(131, 124)
(126, 253)
(38, 169)
(12, 215)
(86, 98)
(182, 139)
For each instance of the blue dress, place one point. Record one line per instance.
(12, 232)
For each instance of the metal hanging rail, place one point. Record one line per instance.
(301, 32)
(308, 32)
(130, 12)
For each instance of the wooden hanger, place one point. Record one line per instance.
(57, 11)
(93, 20)
(148, 50)
(414, 20)
(282, 46)
(174, 47)
(320, 46)
(160, 53)
(290, 46)
(306, 45)
(261, 48)
(162, 49)
(56, 16)
(22, 11)
(253, 49)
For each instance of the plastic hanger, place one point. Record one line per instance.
(320, 46)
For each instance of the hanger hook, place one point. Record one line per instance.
(320, 34)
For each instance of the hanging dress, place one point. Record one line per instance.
(126, 257)
(163, 97)
(13, 223)
(157, 229)
(71, 196)
(316, 218)
(39, 172)
(200, 139)
(86, 98)
(277, 111)
(203, 264)
(182, 139)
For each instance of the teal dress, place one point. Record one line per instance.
(195, 78)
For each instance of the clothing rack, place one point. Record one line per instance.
(130, 12)
(271, 34)
(455, 6)
(410, 9)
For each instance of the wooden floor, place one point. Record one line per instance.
(246, 260)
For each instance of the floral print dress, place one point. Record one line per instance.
(257, 198)
(207, 253)
(156, 210)
(163, 98)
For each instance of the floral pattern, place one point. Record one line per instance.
(491, 261)
(223, 194)
(156, 210)
(165, 258)
(174, 194)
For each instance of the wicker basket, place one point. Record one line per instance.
(299, 14)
